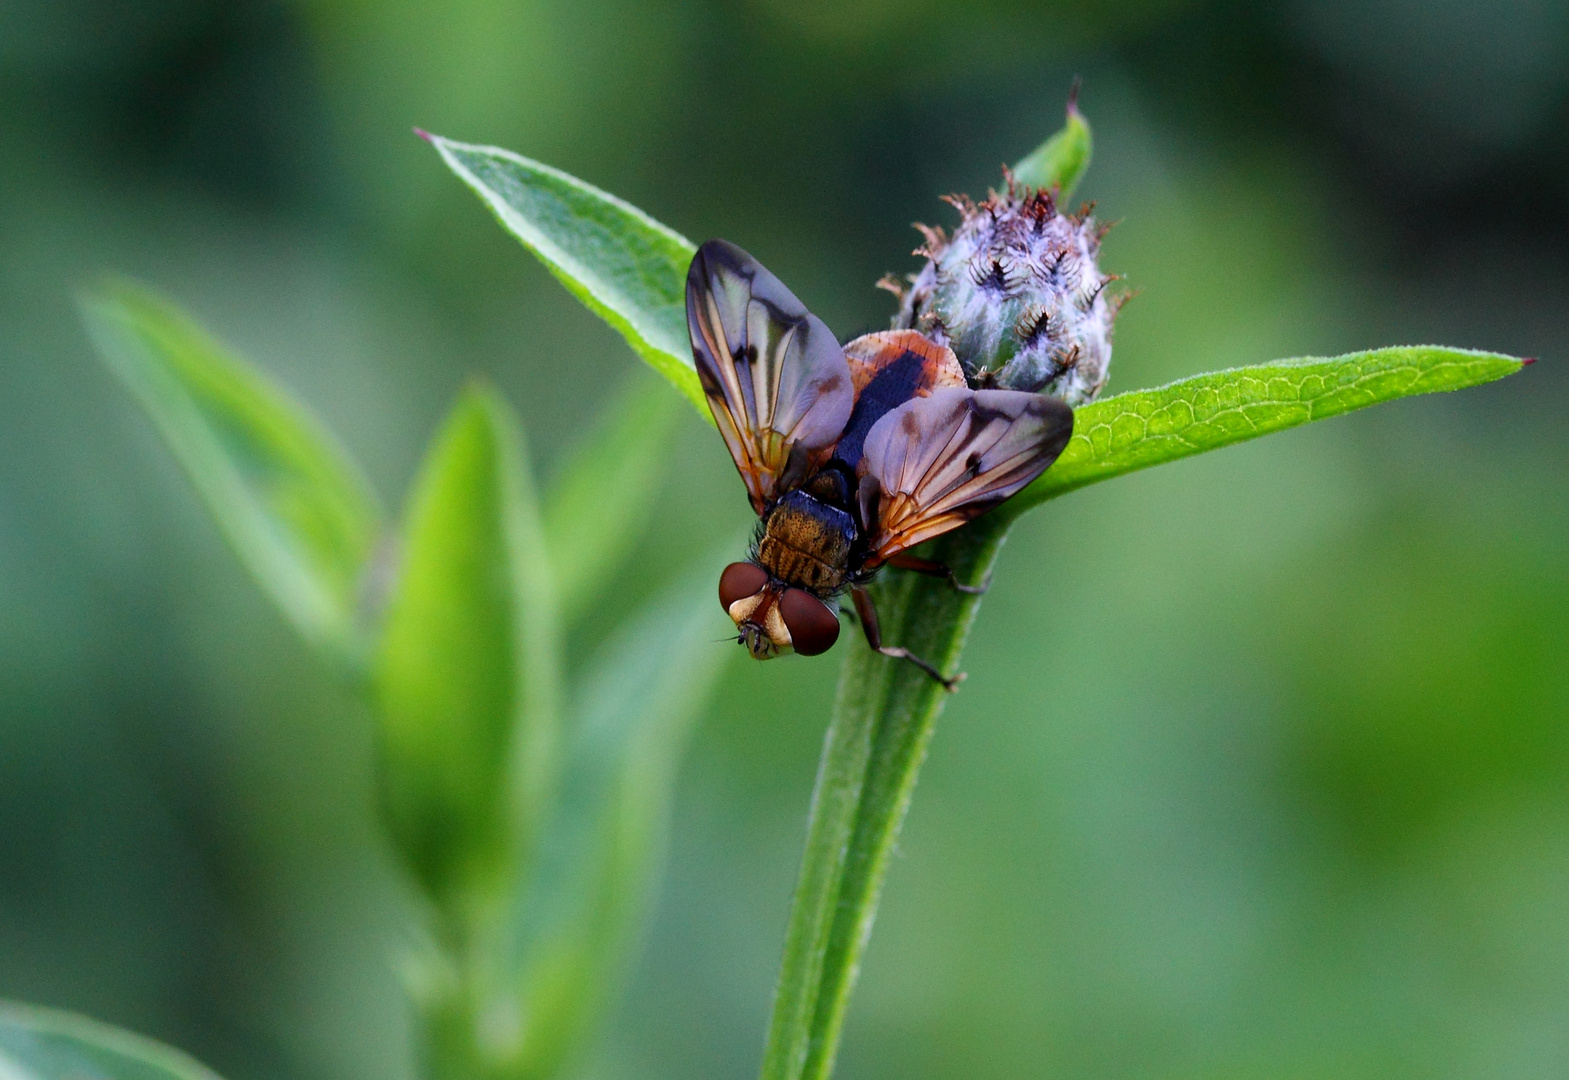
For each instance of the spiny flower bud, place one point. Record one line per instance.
(1017, 294)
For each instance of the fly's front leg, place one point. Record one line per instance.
(874, 638)
(936, 569)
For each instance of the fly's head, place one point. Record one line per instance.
(757, 641)
(771, 617)
(857, 464)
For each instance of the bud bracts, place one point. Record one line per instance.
(1017, 294)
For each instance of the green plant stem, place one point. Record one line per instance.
(883, 720)
(885, 710)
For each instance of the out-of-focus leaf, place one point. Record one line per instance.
(1132, 431)
(578, 920)
(45, 1044)
(602, 499)
(628, 268)
(286, 495)
(1060, 161)
(466, 673)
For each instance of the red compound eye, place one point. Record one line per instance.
(740, 580)
(813, 626)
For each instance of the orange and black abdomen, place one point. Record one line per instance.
(807, 543)
(888, 369)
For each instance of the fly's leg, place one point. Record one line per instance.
(874, 638)
(937, 569)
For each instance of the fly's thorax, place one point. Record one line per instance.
(807, 543)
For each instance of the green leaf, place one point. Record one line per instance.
(628, 268)
(604, 496)
(1060, 161)
(285, 494)
(1131, 431)
(466, 674)
(45, 1044)
(579, 920)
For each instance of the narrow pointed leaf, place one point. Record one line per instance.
(1136, 430)
(579, 919)
(466, 673)
(1060, 161)
(628, 268)
(597, 507)
(46, 1044)
(286, 496)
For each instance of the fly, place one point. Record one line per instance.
(851, 454)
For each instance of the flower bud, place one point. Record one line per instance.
(1017, 294)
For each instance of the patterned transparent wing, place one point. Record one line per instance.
(776, 380)
(936, 462)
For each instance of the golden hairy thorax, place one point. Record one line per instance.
(806, 543)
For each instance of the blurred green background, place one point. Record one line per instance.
(1262, 769)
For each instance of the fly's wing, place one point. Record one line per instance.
(776, 379)
(936, 462)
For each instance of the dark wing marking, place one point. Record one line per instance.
(776, 379)
(936, 462)
(889, 368)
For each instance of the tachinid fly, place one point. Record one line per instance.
(851, 455)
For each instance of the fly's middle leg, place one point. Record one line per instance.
(874, 638)
(932, 568)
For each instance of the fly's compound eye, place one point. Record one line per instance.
(740, 580)
(813, 625)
